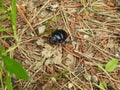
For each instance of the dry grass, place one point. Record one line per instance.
(93, 27)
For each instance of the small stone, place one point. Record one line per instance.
(41, 29)
(70, 85)
(86, 36)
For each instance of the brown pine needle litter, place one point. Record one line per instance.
(93, 28)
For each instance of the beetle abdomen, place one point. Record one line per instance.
(58, 36)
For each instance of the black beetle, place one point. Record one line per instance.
(58, 36)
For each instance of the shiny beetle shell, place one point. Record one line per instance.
(58, 36)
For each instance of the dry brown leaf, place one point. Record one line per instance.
(70, 62)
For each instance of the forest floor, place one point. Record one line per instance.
(79, 63)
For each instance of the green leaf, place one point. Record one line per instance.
(15, 68)
(111, 65)
(102, 85)
(8, 83)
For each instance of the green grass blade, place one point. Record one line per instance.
(2, 3)
(8, 83)
(102, 85)
(15, 68)
(2, 51)
(1, 78)
(2, 29)
(13, 14)
(13, 18)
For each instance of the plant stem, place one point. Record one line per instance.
(1, 80)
